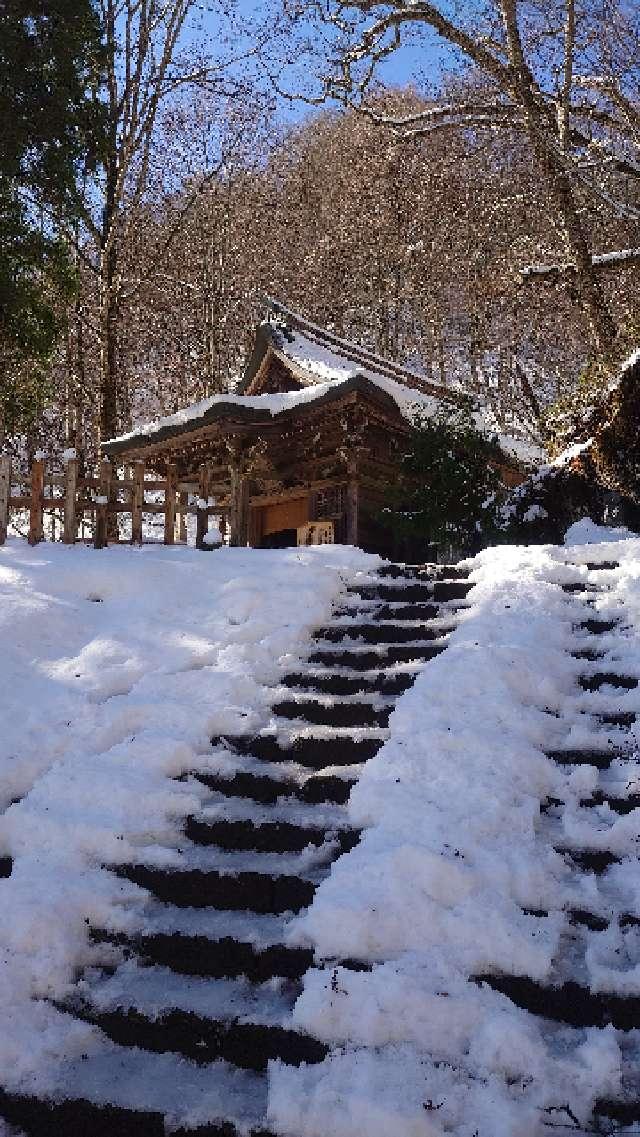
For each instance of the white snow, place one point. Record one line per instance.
(586, 532)
(330, 371)
(454, 856)
(117, 668)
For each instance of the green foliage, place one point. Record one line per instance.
(51, 129)
(449, 489)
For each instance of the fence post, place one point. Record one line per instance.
(5, 494)
(182, 523)
(70, 529)
(170, 504)
(37, 501)
(137, 503)
(202, 515)
(102, 505)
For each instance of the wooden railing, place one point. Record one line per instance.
(74, 499)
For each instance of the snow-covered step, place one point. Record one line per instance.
(366, 658)
(596, 680)
(219, 807)
(578, 756)
(568, 1003)
(117, 1091)
(316, 749)
(233, 1019)
(402, 591)
(346, 713)
(267, 836)
(267, 789)
(387, 632)
(382, 613)
(261, 892)
(191, 857)
(242, 944)
(389, 682)
(152, 991)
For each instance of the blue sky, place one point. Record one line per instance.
(423, 60)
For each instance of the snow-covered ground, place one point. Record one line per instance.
(116, 669)
(454, 855)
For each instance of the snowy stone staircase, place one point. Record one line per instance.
(190, 996)
(601, 850)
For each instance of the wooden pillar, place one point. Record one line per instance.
(183, 500)
(352, 508)
(202, 515)
(100, 534)
(70, 528)
(239, 506)
(5, 495)
(137, 503)
(170, 493)
(37, 501)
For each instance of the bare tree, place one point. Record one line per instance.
(563, 77)
(151, 68)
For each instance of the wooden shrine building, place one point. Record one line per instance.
(304, 450)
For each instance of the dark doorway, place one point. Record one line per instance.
(281, 539)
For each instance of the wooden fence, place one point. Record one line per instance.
(73, 499)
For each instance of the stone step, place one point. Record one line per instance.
(329, 683)
(569, 1003)
(423, 591)
(596, 627)
(197, 888)
(395, 612)
(578, 757)
(335, 714)
(6, 867)
(314, 751)
(616, 804)
(381, 633)
(581, 586)
(596, 861)
(616, 718)
(370, 660)
(314, 790)
(624, 1113)
(432, 571)
(588, 654)
(224, 958)
(602, 566)
(607, 679)
(247, 1045)
(276, 837)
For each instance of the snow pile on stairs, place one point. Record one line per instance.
(511, 766)
(116, 669)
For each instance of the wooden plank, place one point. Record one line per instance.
(100, 535)
(20, 501)
(37, 502)
(5, 495)
(170, 492)
(70, 528)
(137, 503)
(88, 483)
(202, 515)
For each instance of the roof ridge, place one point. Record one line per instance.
(359, 354)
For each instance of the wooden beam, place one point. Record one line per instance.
(137, 503)
(100, 534)
(183, 505)
(5, 495)
(70, 527)
(352, 509)
(170, 492)
(202, 516)
(37, 502)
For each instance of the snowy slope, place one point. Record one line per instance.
(458, 875)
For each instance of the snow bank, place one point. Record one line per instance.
(454, 855)
(117, 667)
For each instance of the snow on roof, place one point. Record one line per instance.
(324, 363)
(408, 400)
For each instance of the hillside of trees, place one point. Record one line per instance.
(203, 196)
